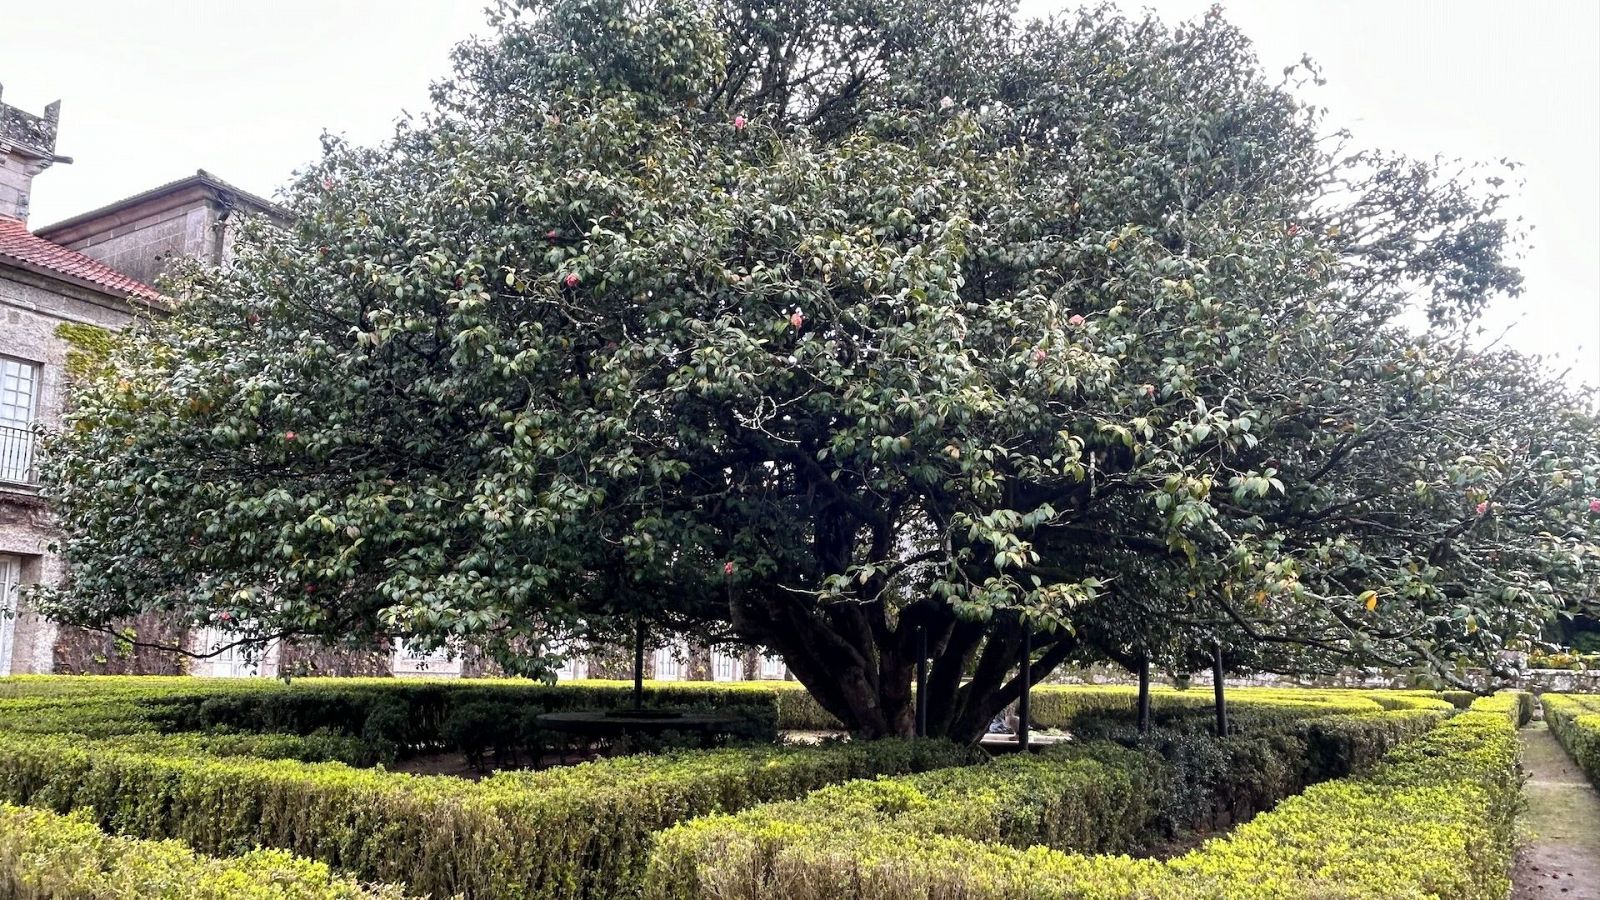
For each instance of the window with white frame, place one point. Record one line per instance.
(573, 665)
(233, 659)
(10, 584)
(669, 663)
(444, 661)
(19, 398)
(772, 667)
(572, 668)
(727, 666)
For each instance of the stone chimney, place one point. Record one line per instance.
(27, 147)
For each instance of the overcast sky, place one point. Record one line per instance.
(153, 89)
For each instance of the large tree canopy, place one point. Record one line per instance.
(832, 325)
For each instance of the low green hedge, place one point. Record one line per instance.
(1433, 820)
(394, 717)
(1095, 707)
(1575, 721)
(101, 705)
(574, 832)
(300, 748)
(128, 721)
(44, 856)
(214, 763)
(1058, 706)
(1213, 784)
(1097, 797)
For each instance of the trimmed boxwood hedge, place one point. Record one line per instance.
(1575, 721)
(582, 831)
(44, 856)
(309, 705)
(394, 716)
(1433, 820)
(213, 763)
(1057, 706)
(1098, 797)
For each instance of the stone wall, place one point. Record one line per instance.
(79, 651)
(30, 312)
(304, 660)
(32, 143)
(146, 247)
(16, 183)
(1561, 681)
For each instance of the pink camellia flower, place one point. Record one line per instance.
(327, 184)
(551, 234)
(738, 123)
(1594, 506)
(797, 319)
(571, 280)
(727, 568)
(1039, 355)
(1149, 390)
(225, 616)
(289, 435)
(1483, 507)
(1076, 321)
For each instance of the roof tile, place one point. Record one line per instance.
(19, 244)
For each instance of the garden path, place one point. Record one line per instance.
(1562, 857)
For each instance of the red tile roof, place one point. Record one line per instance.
(18, 246)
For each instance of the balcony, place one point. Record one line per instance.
(16, 455)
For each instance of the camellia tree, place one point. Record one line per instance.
(849, 329)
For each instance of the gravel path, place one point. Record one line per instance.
(1562, 858)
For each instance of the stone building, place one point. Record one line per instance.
(678, 660)
(91, 272)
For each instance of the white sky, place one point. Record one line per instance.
(154, 89)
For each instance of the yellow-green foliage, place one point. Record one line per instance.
(577, 832)
(1095, 797)
(90, 344)
(310, 703)
(1575, 721)
(1433, 820)
(146, 756)
(1057, 705)
(44, 856)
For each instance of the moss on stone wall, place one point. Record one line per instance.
(90, 344)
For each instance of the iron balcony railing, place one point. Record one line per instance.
(16, 454)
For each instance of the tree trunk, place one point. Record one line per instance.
(1024, 702)
(922, 682)
(1218, 689)
(1144, 694)
(865, 673)
(638, 664)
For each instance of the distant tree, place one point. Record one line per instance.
(825, 325)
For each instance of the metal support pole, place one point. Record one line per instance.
(1026, 675)
(1144, 694)
(922, 682)
(638, 663)
(1217, 687)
